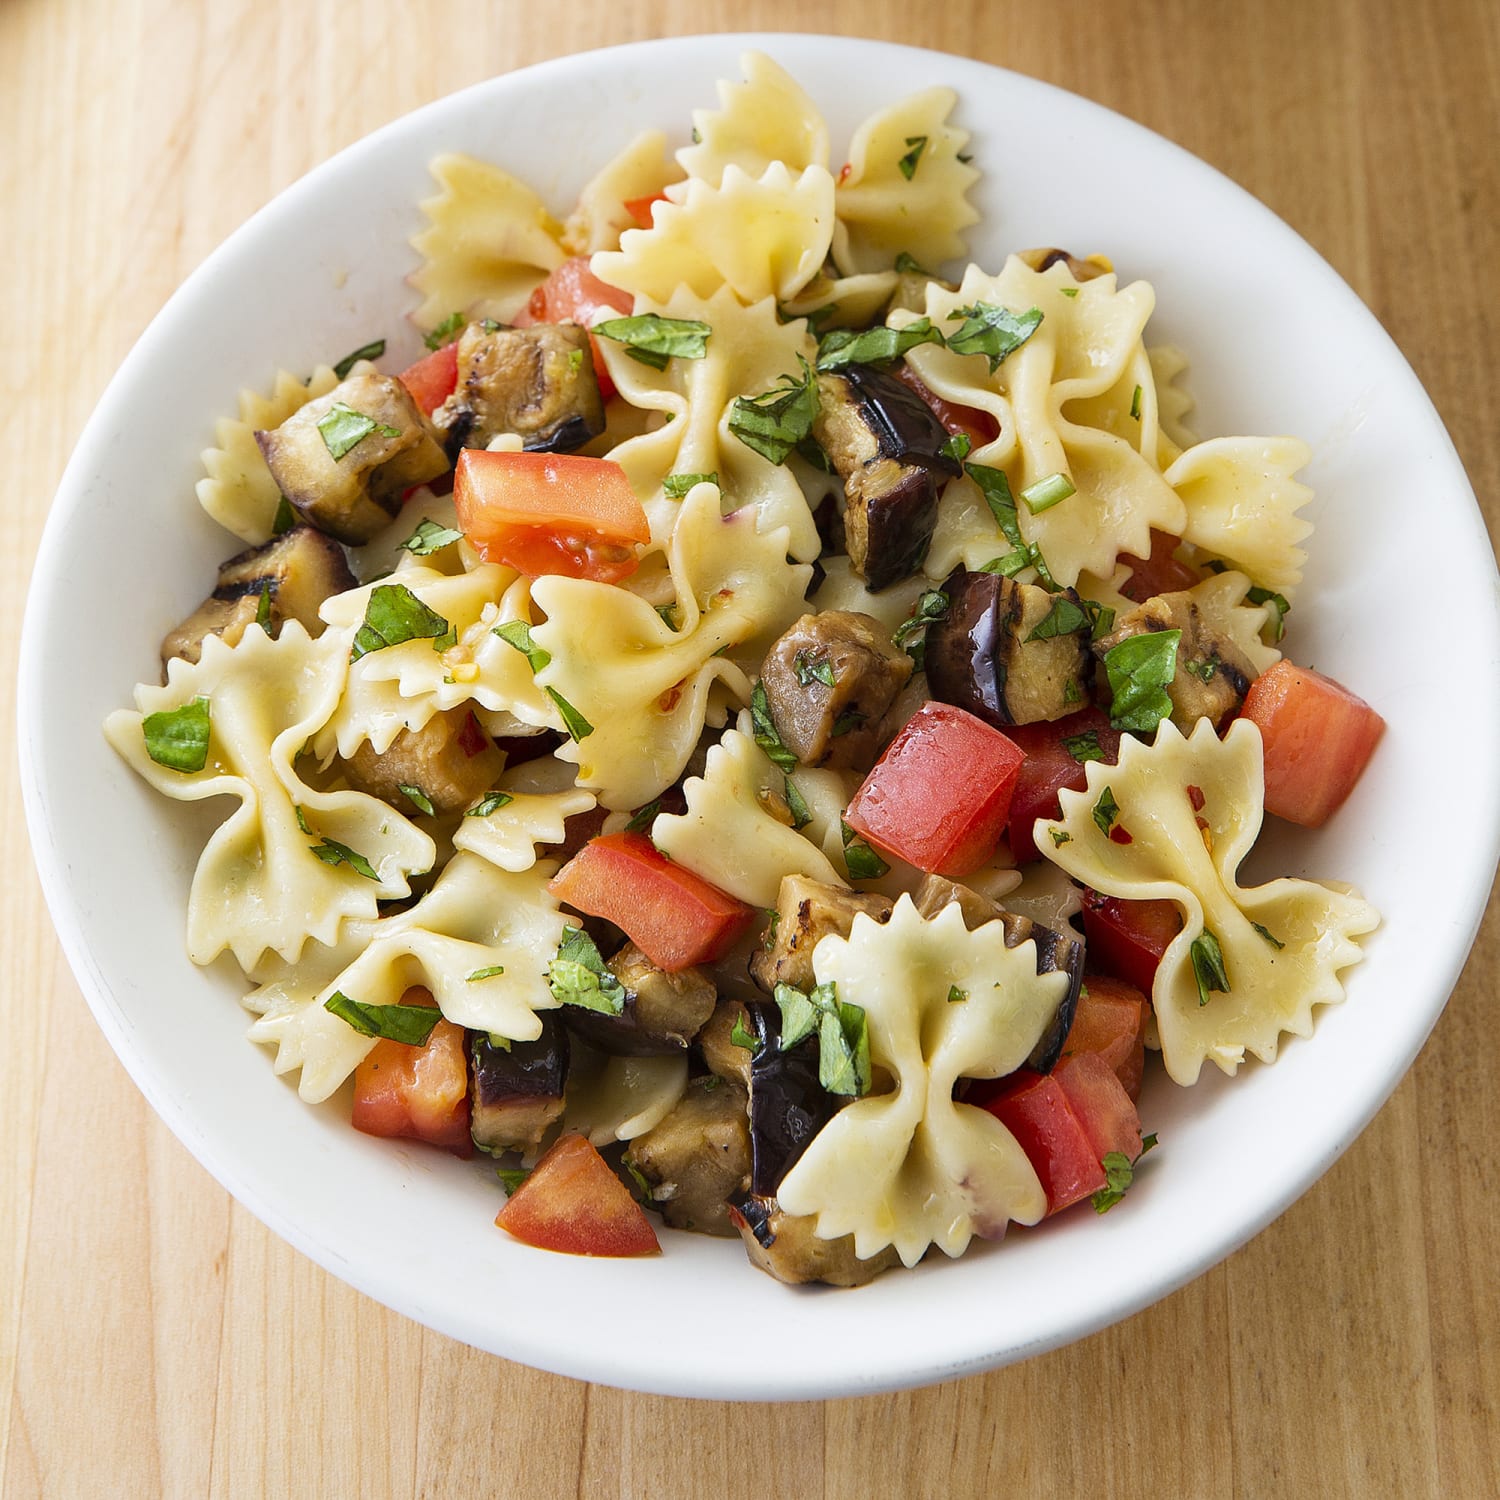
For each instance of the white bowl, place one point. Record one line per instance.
(1279, 344)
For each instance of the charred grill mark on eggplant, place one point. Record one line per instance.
(807, 911)
(787, 1247)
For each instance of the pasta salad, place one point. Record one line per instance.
(752, 727)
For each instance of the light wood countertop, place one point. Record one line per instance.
(155, 1339)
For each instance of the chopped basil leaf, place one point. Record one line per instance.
(488, 973)
(1135, 404)
(285, 517)
(263, 608)
(911, 634)
(1102, 616)
(1062, 619)
(429, 537)
(1071, 693)
(1009, 565)
(668, 613)
(1083, 747)
(874, 346)
(740, 1035)
(773, 921)
(811, 451)
(1046, 493)
(511, 1177)
(1119, 1173)
(490, 325)
(1068, 291)
(907, 265)
(992, 331)
(799, 1012)
(908, 163)
(861, 861)
(1139, 669)
(653, 339)
(766, 734)
(995, 488)
(1202, 670)
(1208, 965)
(177, 738)
(372, 350)
(773, 423)
(410, 1024)
(846, 723)
(644, 817)
(1060, 837)
(394, 615)
(1043, 573)
(1270, 937)
(446, 331)
(517, 633)
(957, 447)
(1106, 810)
(417, 797)
(343, 428)
(490, 802)
(302, 820)
(577, 726)
(797, 805)
(955, 995)
(1276, 618)
(578, 976)
(811, 668)
(498, 1042)
(843, 1035)
(331, 852)
(675, 486)
(575, 361)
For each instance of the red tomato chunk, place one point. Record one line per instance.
(1036, 1110)
(1110, 1022)
(970, 421)
(573, 294)
(546, 513)
(1048, 768)
(1318, 739)
(432, 379)
(940, 796)
(1160, 573)
(675, 918)
(420, 1093)
(572, 1202)
(1127, 938)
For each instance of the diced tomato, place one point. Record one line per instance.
(573, 294)
(433, 378)
(1106, 1112)
(1318, 739)
(1036, 1110)
(420, 1093)
(940, 795)
(639, 209)
(1128, 938)
(550, 513)
(977, 425)
(572, 1202)
(674, 917)
(1110, 1022)
(1049, 766)
(1161, 573)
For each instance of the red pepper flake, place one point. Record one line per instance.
(844, 172)
(1202, 824)
(1118, 835)
(1195, 796)
(670, 699)
(472, 739)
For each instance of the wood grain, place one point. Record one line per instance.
(156, 1340)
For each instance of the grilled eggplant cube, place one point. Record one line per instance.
(451, 761)
(998, 655)
(537, 382)
(516, 1092)
(698, 1158)
(885, 444)
(787, 1247)
(807, 911)
(295, 573)
(1080, 269)
(663, 1012)
(1213, 674)
(345, 460)
(829, 682)
(1055, 952)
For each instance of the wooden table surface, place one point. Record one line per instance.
(155, 1339)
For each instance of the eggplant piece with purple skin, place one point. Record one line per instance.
(516, 1092)
(886, 445)
(785, 1246)
(788, 1105)
(663, 1012)
(1008, 652)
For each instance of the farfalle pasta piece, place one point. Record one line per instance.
(238, 490)
(1081, 349)
(488, 244)
(765, 119)
(1173, 400)
(1242, 503)
(764, 236)
(730, 834)
(641, 171)
(642, 685)
(508, 834)
(259, 883)
(618, 1098)
(748, 350)
(913, 1167)
(1249, 963)
(905, 187)
(1221, 601)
